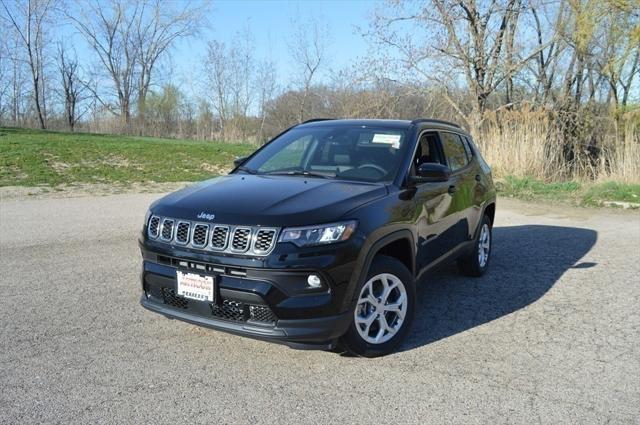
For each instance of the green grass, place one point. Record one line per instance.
(34, 157)
(612, 191)
(588, 194)
(47, 158)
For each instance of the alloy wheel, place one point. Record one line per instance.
(484, 245)
(381, 308)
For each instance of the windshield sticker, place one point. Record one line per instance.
(387, 139)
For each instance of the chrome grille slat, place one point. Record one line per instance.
(154, 227)
(248, 240)
(200, 233)
(264, 241)
(182, 232)
(219, 238)
(166, 234)
(241, 239)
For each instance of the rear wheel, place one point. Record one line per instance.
(384, 309)
(477, 262)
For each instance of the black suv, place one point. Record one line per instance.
(319, 236)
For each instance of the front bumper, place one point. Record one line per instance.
(262, 303)
(320, 333)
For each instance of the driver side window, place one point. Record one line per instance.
(427, 150)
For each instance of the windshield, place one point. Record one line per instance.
(362, 153)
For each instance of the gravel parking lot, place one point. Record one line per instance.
(550, 335)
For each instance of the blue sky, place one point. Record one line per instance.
(270, 24)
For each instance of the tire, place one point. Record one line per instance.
(476, 263)
(367, 322)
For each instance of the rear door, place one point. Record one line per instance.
(461, 187)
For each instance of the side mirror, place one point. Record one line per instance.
(430, 172)
(239, 160)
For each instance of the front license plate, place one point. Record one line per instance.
(195, 286)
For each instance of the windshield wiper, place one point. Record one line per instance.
(299, 173)
(247, 169)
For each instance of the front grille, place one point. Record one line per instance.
(154, 227)
(182, 232)
(169, 297)
(258, 241)
(229, 310)
(241, 239)
(264, 240)
(167, 229)
(200, 235)
(219, 237)
(261, 313)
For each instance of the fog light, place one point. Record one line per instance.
(314, 281)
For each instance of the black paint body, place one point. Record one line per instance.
(422, 224)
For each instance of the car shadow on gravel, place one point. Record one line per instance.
(526, 262)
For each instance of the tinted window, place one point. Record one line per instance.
(465, 141)
(454, 151)
(427, 150)
(351, 152)
(290, 156)
(483, 164)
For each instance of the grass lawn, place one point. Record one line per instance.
(589, 194)
(47, 158)
(34, 157)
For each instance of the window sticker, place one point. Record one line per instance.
(387, 139)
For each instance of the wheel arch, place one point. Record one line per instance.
(490, 211)
(398, 244)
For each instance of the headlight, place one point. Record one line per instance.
(319, 235)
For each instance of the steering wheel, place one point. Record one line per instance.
(375, 167)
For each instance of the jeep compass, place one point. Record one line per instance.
(318, 238)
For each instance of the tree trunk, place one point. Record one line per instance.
(36, 98)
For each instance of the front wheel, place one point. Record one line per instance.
(384, 309)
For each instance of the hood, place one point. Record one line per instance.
(268, 200)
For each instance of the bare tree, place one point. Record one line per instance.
(29, 23)
(72, 87)
(108, 29)
(471, 38)
(618, 56)
(308, 49)
(129, 38)
(218, 80)
(157, 27)
(230, 78)
(266, 85)
(5, 81)
(18, 82)
(550, 49)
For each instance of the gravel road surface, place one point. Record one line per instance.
(550, 335)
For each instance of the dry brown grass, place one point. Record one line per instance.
(555, 146)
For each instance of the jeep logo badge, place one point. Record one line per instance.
(206, 216)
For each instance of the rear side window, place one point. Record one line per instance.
(454, 150)
(467, 148)
(483, 164)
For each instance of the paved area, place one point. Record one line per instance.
(551, 335)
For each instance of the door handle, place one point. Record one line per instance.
(452, 189)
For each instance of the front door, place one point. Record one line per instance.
(432, 202)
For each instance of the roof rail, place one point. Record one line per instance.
(317, 119)
(435, 121)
